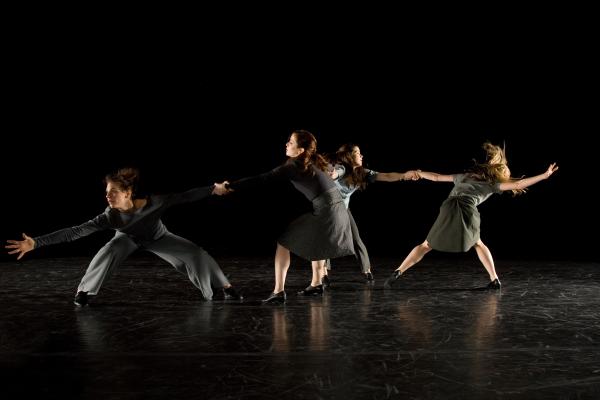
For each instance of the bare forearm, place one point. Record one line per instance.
(523, 183)
(390, 176)
(433, 176)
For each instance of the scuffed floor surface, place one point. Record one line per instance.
(436, 334)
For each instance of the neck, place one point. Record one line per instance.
(129, 207)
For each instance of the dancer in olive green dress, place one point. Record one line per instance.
(456, 228)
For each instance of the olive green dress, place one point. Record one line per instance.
(456, 228)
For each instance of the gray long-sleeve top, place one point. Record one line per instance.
(309, 185)
(142, 225)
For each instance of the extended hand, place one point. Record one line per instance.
(551, 169)
(20, 246)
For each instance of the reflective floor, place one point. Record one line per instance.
(436, 334)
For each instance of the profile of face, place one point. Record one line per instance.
(117, 197)
(505, 172)
(291, 147)
(357, 157)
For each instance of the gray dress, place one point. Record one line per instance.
(346, 191)
(456, 228)
(143, 229)
(318, 235)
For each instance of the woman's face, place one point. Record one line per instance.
(117, 197)
(291, 147)
(357, 158)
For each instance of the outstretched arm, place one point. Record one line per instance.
(61, 236)
(397, 176)
(20, 246)
(432, 176)
(189, 196)
(523, 183)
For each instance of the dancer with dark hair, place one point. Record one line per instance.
(456, 228)
(315, 236)
(350, 175)
(138, 226)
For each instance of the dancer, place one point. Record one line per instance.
(456, 228)
(350, 176)
(138, 226)
(323, 233)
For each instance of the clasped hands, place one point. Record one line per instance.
(222, 188)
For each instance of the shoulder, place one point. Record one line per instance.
(457, 178)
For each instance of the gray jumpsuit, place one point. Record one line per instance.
(457, 226)
(143, 229)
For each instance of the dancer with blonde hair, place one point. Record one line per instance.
(456, 228)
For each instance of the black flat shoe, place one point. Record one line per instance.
(494, 285)
(325, 281)
(369, 276)
(231, 294)
(275, 298)
(392, 279)
(311, 290)
(81, 299)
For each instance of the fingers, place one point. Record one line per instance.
(552, 168)
(14, 251)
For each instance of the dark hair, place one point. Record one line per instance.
(126, 178)
(308, 142)
(354, 176)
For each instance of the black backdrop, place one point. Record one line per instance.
(193, 121)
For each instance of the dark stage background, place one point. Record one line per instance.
(193, 121)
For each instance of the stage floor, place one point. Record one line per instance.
(148, 334)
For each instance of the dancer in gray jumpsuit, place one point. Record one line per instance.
(456, 228)
(350, 176)
(138, 225)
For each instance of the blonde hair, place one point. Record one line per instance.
(495, 169)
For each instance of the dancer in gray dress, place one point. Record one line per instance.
(138, 226)
(350, 176)
(315, 236)
(456, 228)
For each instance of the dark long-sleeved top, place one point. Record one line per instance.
(309, 185)
(141, 225)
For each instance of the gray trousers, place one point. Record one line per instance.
(185, 256)
(359, 248)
